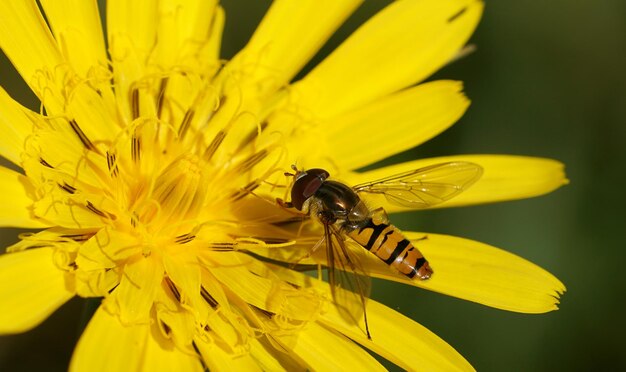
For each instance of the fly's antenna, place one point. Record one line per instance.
(293, 176)
(295, 169)
(296, 174)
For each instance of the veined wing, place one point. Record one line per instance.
(350, 285)
(425, 187)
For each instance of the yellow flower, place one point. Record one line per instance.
(153, 170)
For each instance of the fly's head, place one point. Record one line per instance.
(305, 185)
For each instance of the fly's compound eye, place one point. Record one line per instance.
(306, 184)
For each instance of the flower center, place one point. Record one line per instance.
(178, 193)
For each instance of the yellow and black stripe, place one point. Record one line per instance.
(390, 245)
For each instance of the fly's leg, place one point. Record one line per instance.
(284, 204)
(327, 218)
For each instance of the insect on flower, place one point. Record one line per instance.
(347, 220)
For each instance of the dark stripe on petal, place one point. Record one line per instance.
(457, 15)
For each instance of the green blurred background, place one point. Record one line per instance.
(548, 79)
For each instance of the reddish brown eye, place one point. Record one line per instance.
(306, 185)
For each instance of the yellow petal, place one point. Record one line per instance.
(184, 26)
(400, 340)
(271, 359)
(135, 21)
(185, 273)
(401, 45)
(27, 41)
(288, 36)
(480, 273)
(77, 29)
(322, 349)
(32, 289)
(211, 50)
(394, 124)
(16, 203)
(163, 356)
(505, 177)
(105, 249)
(107, 345)
(131, 28)
(216, 359)
(60, 155)
(134, 297)
(15, 126)
(91, 112)
(394, 336)
(248, 279)
(60, 208)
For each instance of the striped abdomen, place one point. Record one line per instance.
(390, 245)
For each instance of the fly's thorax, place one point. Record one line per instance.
(337, 198)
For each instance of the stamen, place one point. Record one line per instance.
(252, 136)
(173, 288)
(251, 161)
(275, 241)
(161, 96)
(222, 246)
(112, 164)
(246, 190)
(45, 163)
(215, 144)
(67, 188)
(100, 213)
(134, 103)
(208, 298)
(134, 219)
(82, 137)
(135, 147)
(200, 358)
(268, 314)
(184, 126)
(79, 237)
(180, 189)
(184, 238)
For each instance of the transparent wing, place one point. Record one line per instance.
(425, 187)
(350, 285)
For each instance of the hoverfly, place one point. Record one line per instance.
(346, 219)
